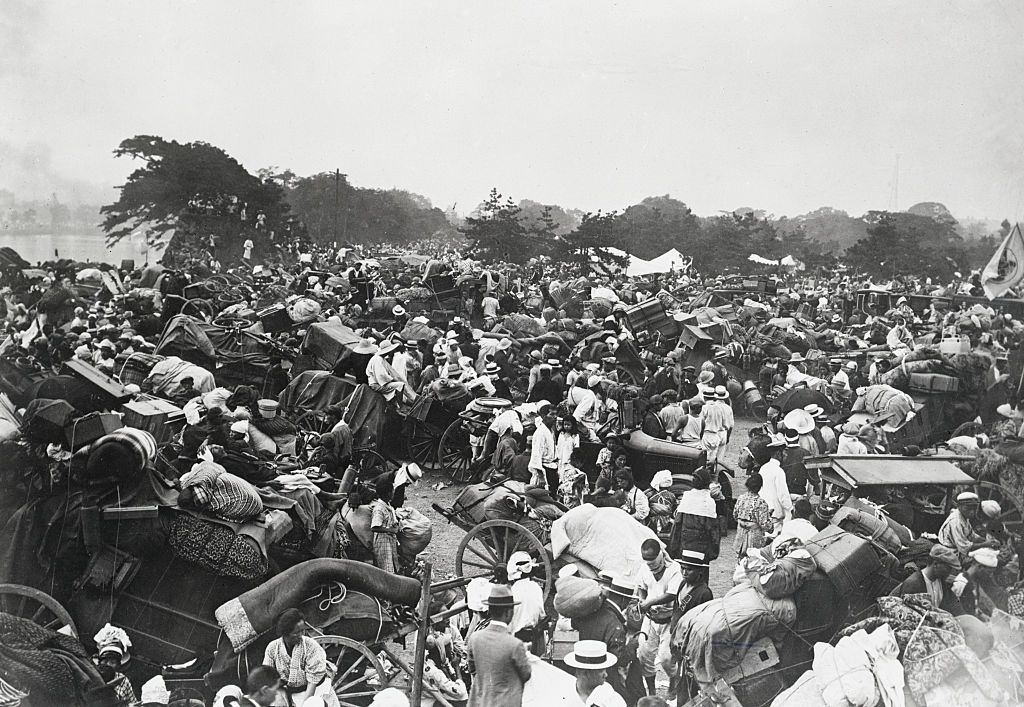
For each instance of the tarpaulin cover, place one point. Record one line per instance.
(166, 376)
(606, 538)
(81, 395)
(364, 413)
(209, 344)
(714, 636)
(329, 341)
(314, 390)
(9, 258)
(45, 419)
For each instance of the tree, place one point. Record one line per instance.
(495, 231)
(596, 234)
(903, 243)
(658, 224)
(190, 191)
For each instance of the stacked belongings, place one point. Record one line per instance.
(600, 539)
(716, 637)
(916, 655)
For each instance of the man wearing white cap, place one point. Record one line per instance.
(717, 421)
(959, 532)
(528, 613)
(592, 661)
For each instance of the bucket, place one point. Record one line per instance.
(751, 395)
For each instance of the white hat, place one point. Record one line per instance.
(661, 479)
(398, 310)
(569, 570)
(504, 344)
(991, 508)
(799, 420)
(967, 496)
(240, 426)
(590, 655)
(519, 564)
(387, 347)
(594, 381)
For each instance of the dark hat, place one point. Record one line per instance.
(501, 597)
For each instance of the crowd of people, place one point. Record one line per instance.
(560, 375)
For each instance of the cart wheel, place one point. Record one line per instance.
(358, 674)
(1012, 508)
(455, 453)
(627, 376)
(314, 421)
(421, 443)
(368, 463)
(759, 411)
(494, 541)
(37, 606)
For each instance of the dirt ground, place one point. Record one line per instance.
(434, 487)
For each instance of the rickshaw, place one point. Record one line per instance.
(930, 484)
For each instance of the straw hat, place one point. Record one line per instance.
(365, 346)
(721, 393)
(398, 310)
(799, 420)
(796, 358)
(590, 655)
(694, 558)
(519, 564)
(388, 347)
(623, 587)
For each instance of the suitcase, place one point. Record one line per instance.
(952, 345)
(846, 559)
(651, 316)
(161, 418)
(275, 319)
(100, 381)
(89, 428)
(934, 383)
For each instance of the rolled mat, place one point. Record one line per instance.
(245, 617)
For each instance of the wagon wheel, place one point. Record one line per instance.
(37, 606)
(421, 443)
(1011, 514)
(368, 463)
(203, 307)
(455, 454)
(627, 376)
(493, 542)
(358, 674)
(314, 421)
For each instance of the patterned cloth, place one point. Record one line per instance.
(49, 665)
(931, 644)
(306, 665)
(753, 520)
(223, 494)
(217, 548)
(385, 545)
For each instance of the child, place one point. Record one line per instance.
(572, 481)
(753, 517)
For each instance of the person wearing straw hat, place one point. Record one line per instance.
(497, 659)
(383, 378)
(608, 624)
(717, 423)
(591, 660)
(693, 592)
(356, 362)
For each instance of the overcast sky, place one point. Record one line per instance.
(780, 105)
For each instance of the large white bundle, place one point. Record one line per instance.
(607, 538)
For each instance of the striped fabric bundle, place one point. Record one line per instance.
(10, 696)
(135, 367)
(142, 443)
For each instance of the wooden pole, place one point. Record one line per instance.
(421, 638)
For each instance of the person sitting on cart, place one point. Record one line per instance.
(653, 424)
(634, 501)
(357, 361)
(934, 580)
(383, 378)
(300, 661)
(964, 529)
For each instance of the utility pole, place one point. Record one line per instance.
(337, 186)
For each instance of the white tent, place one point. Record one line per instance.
(669, 260)
(755, 258)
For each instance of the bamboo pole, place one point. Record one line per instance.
(421, 638)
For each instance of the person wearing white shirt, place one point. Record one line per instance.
(774, 490)
(383, 378)
(529, 610)
(543, 454)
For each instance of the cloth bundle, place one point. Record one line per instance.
(577, 597)
(414, 532)
(303, 310)
(605, 538)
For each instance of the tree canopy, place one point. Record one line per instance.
(193, 190)
(908, 243)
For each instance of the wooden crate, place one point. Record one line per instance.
(159, 417)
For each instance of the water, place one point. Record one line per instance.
(77, 246)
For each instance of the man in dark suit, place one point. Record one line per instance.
(942, 562)
(608, 624)
(497, 659)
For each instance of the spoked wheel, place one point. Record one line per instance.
(455, 453)
(358, 674)
(368, 463)
(493, 542)
(314, 421)
(1011, 508)
(627, 376)
(37, 606)
(421, 443)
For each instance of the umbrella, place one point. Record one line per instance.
(801, 397)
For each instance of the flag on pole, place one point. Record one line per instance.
(1006, 268)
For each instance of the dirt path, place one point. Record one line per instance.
(446, 536)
